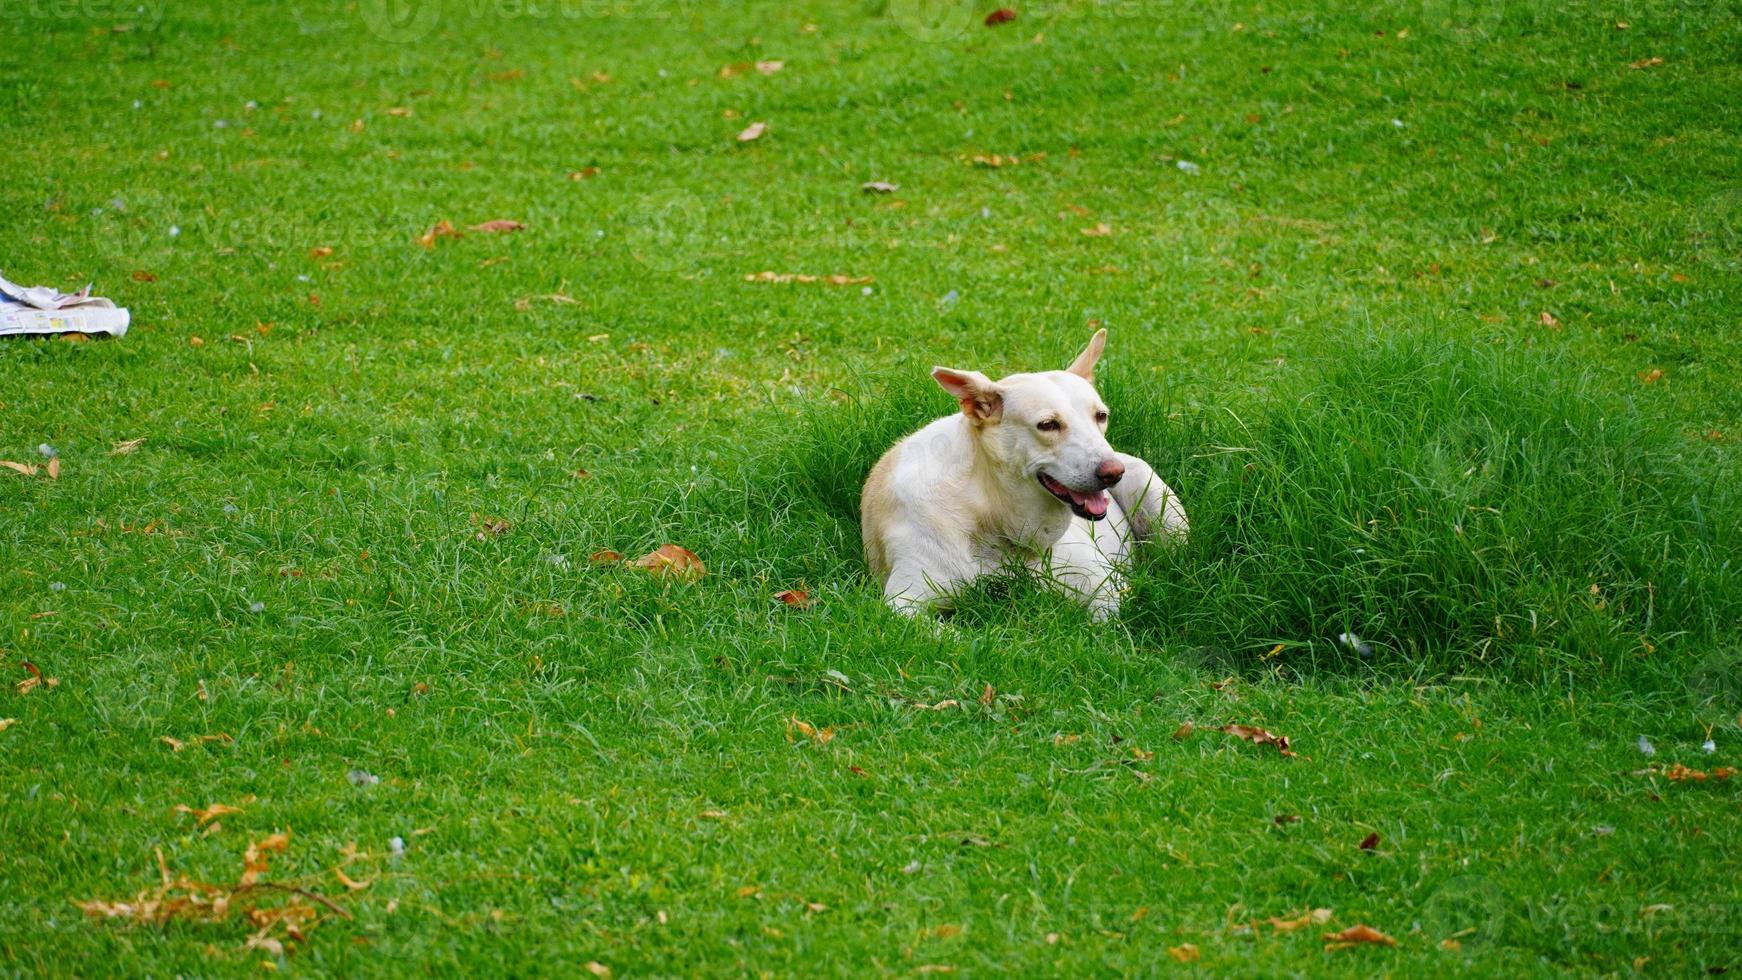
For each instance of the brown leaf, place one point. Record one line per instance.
(673, 560)
(1003, 15)
(1645, 63)
(583, 173)
(498, 226)
(1370, 842)
(1259, 736)
(602, 557)
(1548, 320)
(254, 859)
(126, 446)
(796, 598)
(1679, 773)
(1314, 917)
(821, 736)
(212, 811)
(140, 275)
(53, 467)
(320, 252)
(350, 883)
(1355, 935)
(175, 744)
(988, 696)
(785, 277)
(753, 132)
(24, 468)
(490, 527)
(1184, 953)
(1099, 231)
(441, 229)
(196, 341)
(1283, 819)
(1184, 731)
(598, 969)
(1651, 377)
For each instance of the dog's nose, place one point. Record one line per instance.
(1109, 472)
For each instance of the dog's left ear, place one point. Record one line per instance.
(1084, 366)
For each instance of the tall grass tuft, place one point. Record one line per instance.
(1434, 506)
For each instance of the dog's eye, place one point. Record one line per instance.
(1101, 417)
(1047, 425)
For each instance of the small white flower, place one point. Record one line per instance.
(138, 104)
(257, 607)
(1645, 746)
(1708, 746)
(397, 846)
(175, 231)
(1187, 166)
(220, 124)
(912, 868)
(57, 586)
(866, 291)
(47, 450)
(1398, 123)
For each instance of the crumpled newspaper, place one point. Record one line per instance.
(32, 310)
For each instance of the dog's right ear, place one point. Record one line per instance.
(981, 400)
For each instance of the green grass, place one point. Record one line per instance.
(1330, 338)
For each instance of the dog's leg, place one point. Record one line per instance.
(1149, 503)
(1084, 564)
(922, 583)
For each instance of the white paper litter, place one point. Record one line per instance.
(37, 310)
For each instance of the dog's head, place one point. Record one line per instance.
(1049, 428)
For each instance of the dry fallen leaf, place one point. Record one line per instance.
(598, 969)
(320, 252)
(441, 229)
(1355, 935)
(126, 446)
(24, 468)
(604, 556)
(879, 187)
(1099, 231)
(254, 858)
(1370, 842)
(53, 468)
(1184, 731)
(6, 723)
(1184, 953)
(212, 811)
(1259, 736)
(1645, 63)
(1313, 917)
(753, 132)
(175, 744)
(796, 598)
(1003, 15)
(498, 226)
(821, 736)
(769, 67)
(1548, 320)
(140, 275)
(1679, 773)
(673, 560)
(713, 815)
(490, 527)
(350, 883)
(583, 173)
(784, 277)
(1651, 377)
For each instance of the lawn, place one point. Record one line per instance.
(1428, 310)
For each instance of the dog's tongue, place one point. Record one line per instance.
(1095, 503)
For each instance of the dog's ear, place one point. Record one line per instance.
(1084, 366)
(981, 400)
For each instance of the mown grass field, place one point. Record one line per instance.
(1428, 310)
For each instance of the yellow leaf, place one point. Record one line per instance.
(1184, 953)
(351, 883)
(6, 723)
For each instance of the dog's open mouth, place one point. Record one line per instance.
(1091, 506)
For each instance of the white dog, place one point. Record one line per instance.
(1023, 473)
